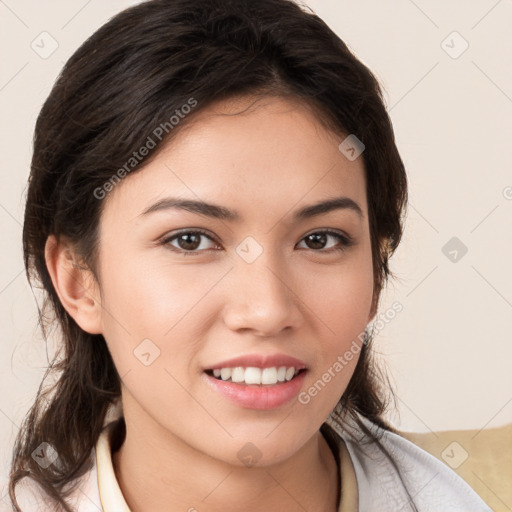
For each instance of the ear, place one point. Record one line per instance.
(75, 284)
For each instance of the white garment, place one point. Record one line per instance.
(430, 483)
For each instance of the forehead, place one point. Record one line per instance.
(266, 154)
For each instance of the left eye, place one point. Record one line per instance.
(189, 242)
(320, 238)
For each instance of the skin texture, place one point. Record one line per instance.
(296, 298)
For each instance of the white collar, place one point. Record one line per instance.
(376, 479)
(112, 499)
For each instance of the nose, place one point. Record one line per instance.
(262, 299)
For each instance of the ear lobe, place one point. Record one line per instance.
(75, 284)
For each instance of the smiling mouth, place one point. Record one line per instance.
(270, 376)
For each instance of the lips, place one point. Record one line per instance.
(258, 381)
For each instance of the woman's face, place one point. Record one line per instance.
(261, 287)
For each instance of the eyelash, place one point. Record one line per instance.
(346, 241)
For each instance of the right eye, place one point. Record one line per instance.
(188, 242)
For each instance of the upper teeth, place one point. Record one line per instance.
(252, 375)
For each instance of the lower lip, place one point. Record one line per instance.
(258, 397)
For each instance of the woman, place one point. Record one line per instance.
(214, 196)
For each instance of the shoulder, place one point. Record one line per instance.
(394, 473)
(84, 498)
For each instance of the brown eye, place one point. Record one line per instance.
(189, 242)
(317, 241)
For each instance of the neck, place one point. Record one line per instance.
(155, 470)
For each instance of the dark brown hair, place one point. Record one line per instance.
(127, 79)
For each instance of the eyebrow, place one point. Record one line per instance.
(222, 213)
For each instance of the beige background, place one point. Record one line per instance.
(448, 351)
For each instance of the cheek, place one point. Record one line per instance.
(150, 293)
(342, 305)
(145, 307)
(342, 297)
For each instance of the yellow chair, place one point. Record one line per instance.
(482, 458)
